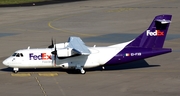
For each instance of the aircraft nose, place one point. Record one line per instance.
(5, 62)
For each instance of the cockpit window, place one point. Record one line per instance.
(14, 54)
(21, 54)
(17, 55)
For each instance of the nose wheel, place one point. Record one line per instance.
(15, 70)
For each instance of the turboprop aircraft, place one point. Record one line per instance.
(74, 54)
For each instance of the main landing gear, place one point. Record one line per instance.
(80, 68)
(82, 71)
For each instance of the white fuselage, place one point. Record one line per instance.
(43, 58)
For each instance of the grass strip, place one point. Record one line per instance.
(7, 2)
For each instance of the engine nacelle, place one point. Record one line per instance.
(61, 45)
(65, 52)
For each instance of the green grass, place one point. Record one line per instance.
(5, 2)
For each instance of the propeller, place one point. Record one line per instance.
(55, 54)
(52, 44)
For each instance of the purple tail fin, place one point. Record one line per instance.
(155, 35)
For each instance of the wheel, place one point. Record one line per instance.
(83, 71)
(103, 67)
(16, 70)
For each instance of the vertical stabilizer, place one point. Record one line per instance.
(155, 35)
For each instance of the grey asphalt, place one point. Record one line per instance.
(97, 22)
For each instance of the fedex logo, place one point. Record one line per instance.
(156, 33)
(42, 56)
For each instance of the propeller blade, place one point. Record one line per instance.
(52, 44)
(55, 51)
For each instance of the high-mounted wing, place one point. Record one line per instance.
(78, 46)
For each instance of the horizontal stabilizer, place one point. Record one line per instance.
(164, 21)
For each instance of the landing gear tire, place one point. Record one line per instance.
(83, 71)
(16, 70)
(80, 68)
(103, 68)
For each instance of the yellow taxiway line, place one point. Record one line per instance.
(21, 74)
(29, 74)
(48, 74)
(65, 31)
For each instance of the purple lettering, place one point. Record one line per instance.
(31, 56)
(42, 56)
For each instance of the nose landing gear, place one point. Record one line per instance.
(15, 70)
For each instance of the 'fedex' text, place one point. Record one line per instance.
(42, 56)
(156, 33)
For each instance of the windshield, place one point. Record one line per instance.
(14, 54)
(17, 55)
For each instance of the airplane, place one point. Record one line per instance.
(74, 54)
